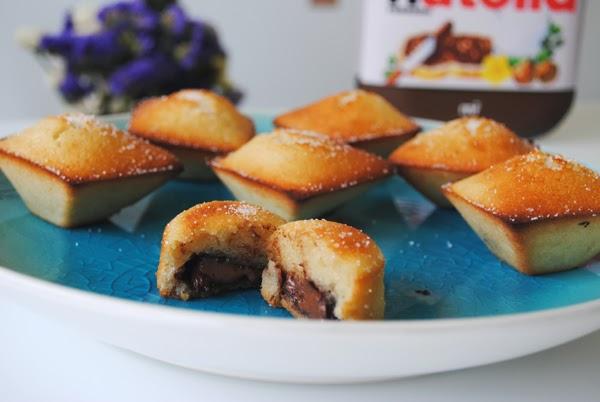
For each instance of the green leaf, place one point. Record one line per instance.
(543, 55)
(513, 61)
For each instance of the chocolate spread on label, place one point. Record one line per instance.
(511, 60)
(208, 275)
(449, 47)
(306, 298)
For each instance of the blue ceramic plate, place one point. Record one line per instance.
(436, 266)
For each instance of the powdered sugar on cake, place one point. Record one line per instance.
(542, 186)
(348, 98)
(85, 149)
(551, 164)
(203, 101)
(313, 140)
(82, 121)
(243, 209)
(473, 125)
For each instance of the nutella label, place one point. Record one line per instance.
(491, 45)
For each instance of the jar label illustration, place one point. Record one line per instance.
(511, 45)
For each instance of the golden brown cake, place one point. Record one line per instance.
(73, 169)
(326, 270)
(458, 149)
(214, 247)
(359, 118)
(193, 124)
(298, 174)
(538, 212)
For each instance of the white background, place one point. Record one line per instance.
(283, 52)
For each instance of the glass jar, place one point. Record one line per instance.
(512, 60)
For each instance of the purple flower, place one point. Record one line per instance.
(73, 87)
(144, 44)
(101, 48)
(68, 26)
(138, 43)
(159, 5)
(143, 48)
(143, 74)
(134, 14)
(195, 47)
(175, 20)
(97, 50)
(56, 44)
(113, 13)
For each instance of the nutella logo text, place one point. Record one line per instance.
(423, 6)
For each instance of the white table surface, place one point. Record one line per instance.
(45, 360)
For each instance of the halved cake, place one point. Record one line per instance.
(538, 212)
(324, 270)
(73, 169)
(298, 174)
(195, 125)
(457, 149)
(214, 247)
(360, 118)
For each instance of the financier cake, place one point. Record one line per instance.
(458, 149)
(72, 169)
(193, 124)
(214, 247)
(298, 174)
(324, 270)
(359, 118)
(538, 212)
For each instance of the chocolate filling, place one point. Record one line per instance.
(208, 275)
(302, 293)
(468, 49)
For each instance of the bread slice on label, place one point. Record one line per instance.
(538, 212)
(193, 124)
(213, 248)
(360, 118)
(298, 174)
(453, 151)
(324, 270)
(73, 169)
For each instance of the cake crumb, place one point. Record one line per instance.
(204, 102)
(348, 98)
(551, 164)
(473, 125)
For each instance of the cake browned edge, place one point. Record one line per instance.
(174, 168)
(514, 229)
(294, 195)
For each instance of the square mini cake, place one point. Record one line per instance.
(298, 174)
(538, 212)
(324, 270)
(359, 118)
(73, 169)
(195, 125)
(453, 151)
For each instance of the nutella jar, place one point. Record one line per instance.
(511, 60)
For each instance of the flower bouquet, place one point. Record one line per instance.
(104, 60)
